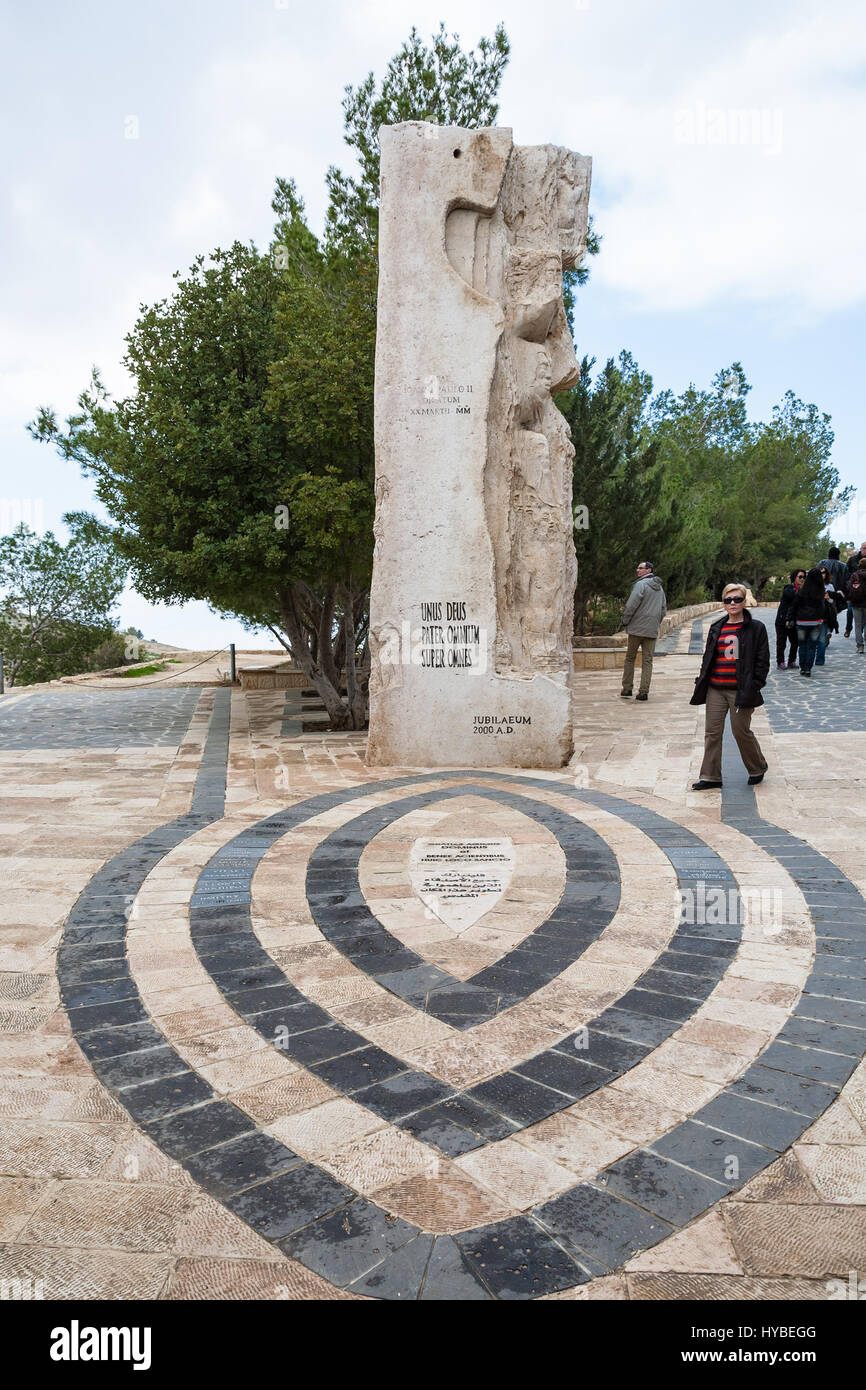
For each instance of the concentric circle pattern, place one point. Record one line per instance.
(448, 1143)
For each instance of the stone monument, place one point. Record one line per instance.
(474, 565)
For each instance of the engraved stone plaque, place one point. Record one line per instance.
(459, 880)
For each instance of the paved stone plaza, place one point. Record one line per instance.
(241, 1058)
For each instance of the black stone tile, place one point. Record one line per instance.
(615, 1054)
(106, 936)
(519, 1098)
(289, 1201)
(348, 1243)
(463, 1001)
(297, 1018)
(86, 970)
(152, 1099)
(686, 963)
(107, 1015)
(98, 992)
(751, 1119)
(71, 953)
(229, 952)
(516, 1259)
(239, 1163)
(837, 986)
(810, 1062)
(681, 986)
(470, 1114)
(131, 1068)
(321, 1044)
(201, 1128)
(442, 1133)
(849, 1013)
(402, 1095)
(239, 978)
(355, 1070)
(634, 1027)
(572, 1075)
(710, 1152)
(518, 981)
(779, 1088)
(377, 954)
(400, 1276)
(448, 1277)
(408, 984)
(830, 1037)
(664, 1188)
(600, 1225)
(263, 998)
(684, 944)
(664, 1006)
(111, 1042)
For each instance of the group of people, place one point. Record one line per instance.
(811, 605)
(736, 660)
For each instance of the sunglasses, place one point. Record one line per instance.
(741, 599)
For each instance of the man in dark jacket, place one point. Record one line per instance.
(733, 671)
(836, 568)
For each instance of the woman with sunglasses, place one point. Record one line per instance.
(735, 667)
(785, 629)
(808, 611)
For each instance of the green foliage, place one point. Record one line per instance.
(55, 600)
(616, 477)
(442, 84)
(144, 670)
(692, 484)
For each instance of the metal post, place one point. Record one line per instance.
(2, 682)
(232, 655)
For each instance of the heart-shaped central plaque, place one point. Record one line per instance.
(460, 879)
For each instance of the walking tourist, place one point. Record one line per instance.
(857, 601)
(836, 568)
(733, 671)
(786, 632)
(807, 612)
(641, 618)
(830, 624)
(852, 564)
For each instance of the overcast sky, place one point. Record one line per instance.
(137, 135)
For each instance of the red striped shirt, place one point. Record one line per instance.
(723, 671)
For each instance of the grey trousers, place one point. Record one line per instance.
(647, 646)
(719, 703)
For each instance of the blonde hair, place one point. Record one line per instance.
(732, 588)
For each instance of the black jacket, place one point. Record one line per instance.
(804, 610)
(753, 662)
(783, 612)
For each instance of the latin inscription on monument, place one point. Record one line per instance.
(460, 880)
(447, 640)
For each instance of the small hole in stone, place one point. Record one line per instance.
(456, 154)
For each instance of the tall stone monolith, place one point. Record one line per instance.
(474, 566)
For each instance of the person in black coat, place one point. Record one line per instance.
(733, 671)
(785, 630)
(809, 611)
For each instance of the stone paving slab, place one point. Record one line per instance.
(246, 1082)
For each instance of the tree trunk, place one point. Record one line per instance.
(324, 674)
(354, 691)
